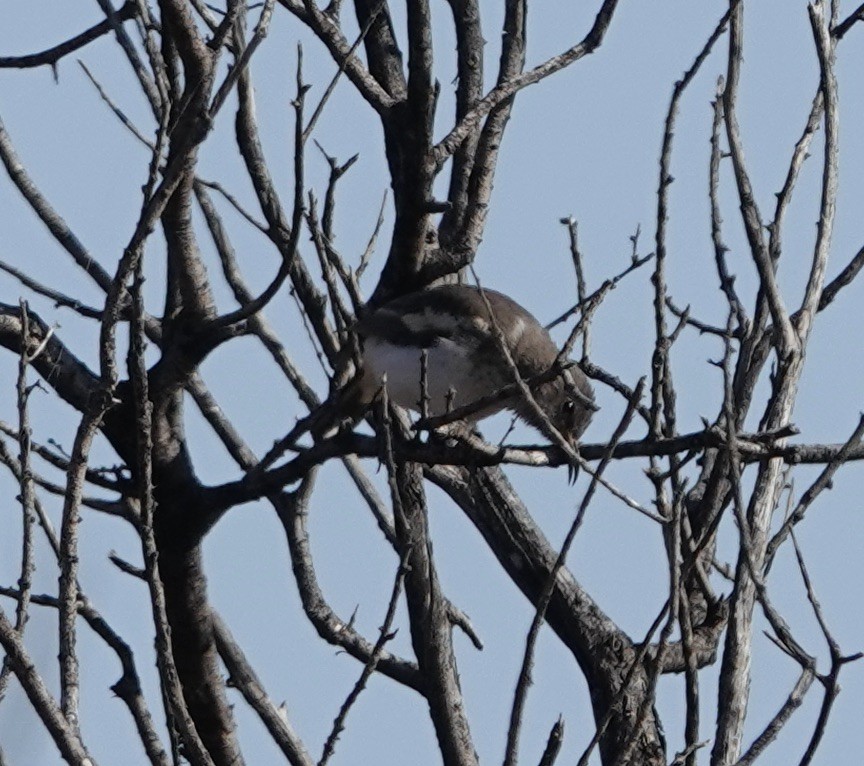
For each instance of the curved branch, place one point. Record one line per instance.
(507, 89)
(244, 678)
(51, 56)
(292, 512)
(289, 255)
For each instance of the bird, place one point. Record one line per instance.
(460, 328)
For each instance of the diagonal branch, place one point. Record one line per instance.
(327, 30)
(750, 215)
(542, 603)
(823, 482)
(447, 146)
(840, 30)
(471, 212)
(385, 634)
(244, 678)
(48, 215)
(825, 49)
(428, 614)
(62, 732)
(51, 56)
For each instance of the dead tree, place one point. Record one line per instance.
(191, 62)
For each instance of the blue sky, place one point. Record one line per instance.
(584, 143)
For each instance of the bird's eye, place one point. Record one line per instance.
(569, 407)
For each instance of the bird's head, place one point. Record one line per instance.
(568, 403)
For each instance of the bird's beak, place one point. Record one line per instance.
(572, 467)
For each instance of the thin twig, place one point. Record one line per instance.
(60, 299)
(573, 233)
(373, 239)
(342, 64)
(600, 292)
(384, 635)
(831, 681)
(542, 603)
(26, 498)
(242, 61)
(823, 482)
(175, 704)
(727, 281)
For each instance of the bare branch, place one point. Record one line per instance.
(55, 223)
(156, 91)
(840, 30)
(242, 62)
(542, 604)
(176, 708)
(280, 229)
(431, 634)
(662, 387)
(825, 224)
(329, 33)
(384, 635)
(769, 734)
(469, 90)
(64, 734)
(727, 281)
(244, 678)
(594, 298)
(27, 497)
(51, 56)
(60, 299)
(292, 511)
(476, 158)
(128, 687)
(447, 146)
(823, 482)
(749, 209)
(289, 256)
(831, 681)
(328, 92)
(799, 155)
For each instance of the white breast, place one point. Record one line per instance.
(449, 365)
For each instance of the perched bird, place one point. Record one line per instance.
(464, 359)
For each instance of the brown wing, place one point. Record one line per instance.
(459, 311)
